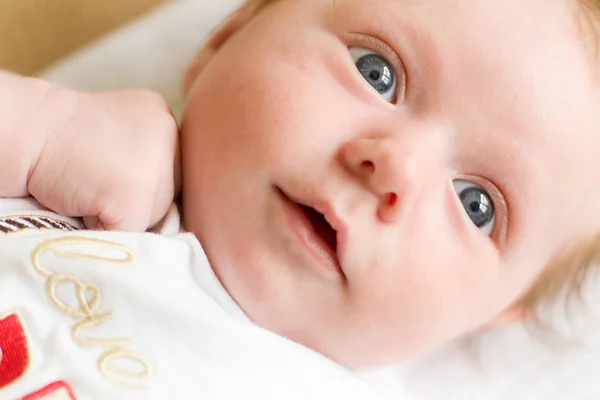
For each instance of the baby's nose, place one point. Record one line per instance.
(394, 169)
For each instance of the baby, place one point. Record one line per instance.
(369, 180)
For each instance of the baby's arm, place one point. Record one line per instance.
(25, 105)
(107, 157)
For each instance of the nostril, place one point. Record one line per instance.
(392, 199)
(388, 208)
(368, 165)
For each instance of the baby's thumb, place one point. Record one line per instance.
(93, 223)
(133, 222)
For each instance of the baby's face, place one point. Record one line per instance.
(452, 144)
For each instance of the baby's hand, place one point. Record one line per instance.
(114, 162)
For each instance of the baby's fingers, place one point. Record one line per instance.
(132, 216)
(125, 225)
(93, 223)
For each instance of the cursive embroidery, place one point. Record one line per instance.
(88, 295)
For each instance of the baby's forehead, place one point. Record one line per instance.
(555, 198)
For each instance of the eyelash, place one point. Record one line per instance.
(379, 46)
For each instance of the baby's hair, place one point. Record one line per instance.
(567, 274)
(587, 14)
(564, 276)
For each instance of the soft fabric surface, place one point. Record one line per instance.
(510, 363)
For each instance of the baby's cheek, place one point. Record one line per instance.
(435, 295)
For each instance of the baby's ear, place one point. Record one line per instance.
(218, 38)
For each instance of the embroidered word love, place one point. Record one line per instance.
(116, 355)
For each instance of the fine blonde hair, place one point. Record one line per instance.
(567, 275)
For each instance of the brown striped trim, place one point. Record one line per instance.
(12, 224)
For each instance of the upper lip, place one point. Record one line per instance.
(331, 216)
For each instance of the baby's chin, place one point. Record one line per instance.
(363, 356)
(353, 351)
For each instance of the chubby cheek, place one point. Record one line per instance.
(429, 291)
(265, 108)
(254, 119)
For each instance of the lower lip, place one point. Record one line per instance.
(306, 235)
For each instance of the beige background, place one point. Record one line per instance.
(34, 33)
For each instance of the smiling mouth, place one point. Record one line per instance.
(314, 231)
(321, 226)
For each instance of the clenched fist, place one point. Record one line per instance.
(113, 161)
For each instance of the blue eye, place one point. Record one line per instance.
(377, 71)
(478, 205)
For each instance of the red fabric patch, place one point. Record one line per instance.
(14, 349)
(59, 390)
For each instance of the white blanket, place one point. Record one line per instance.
(505, 364)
